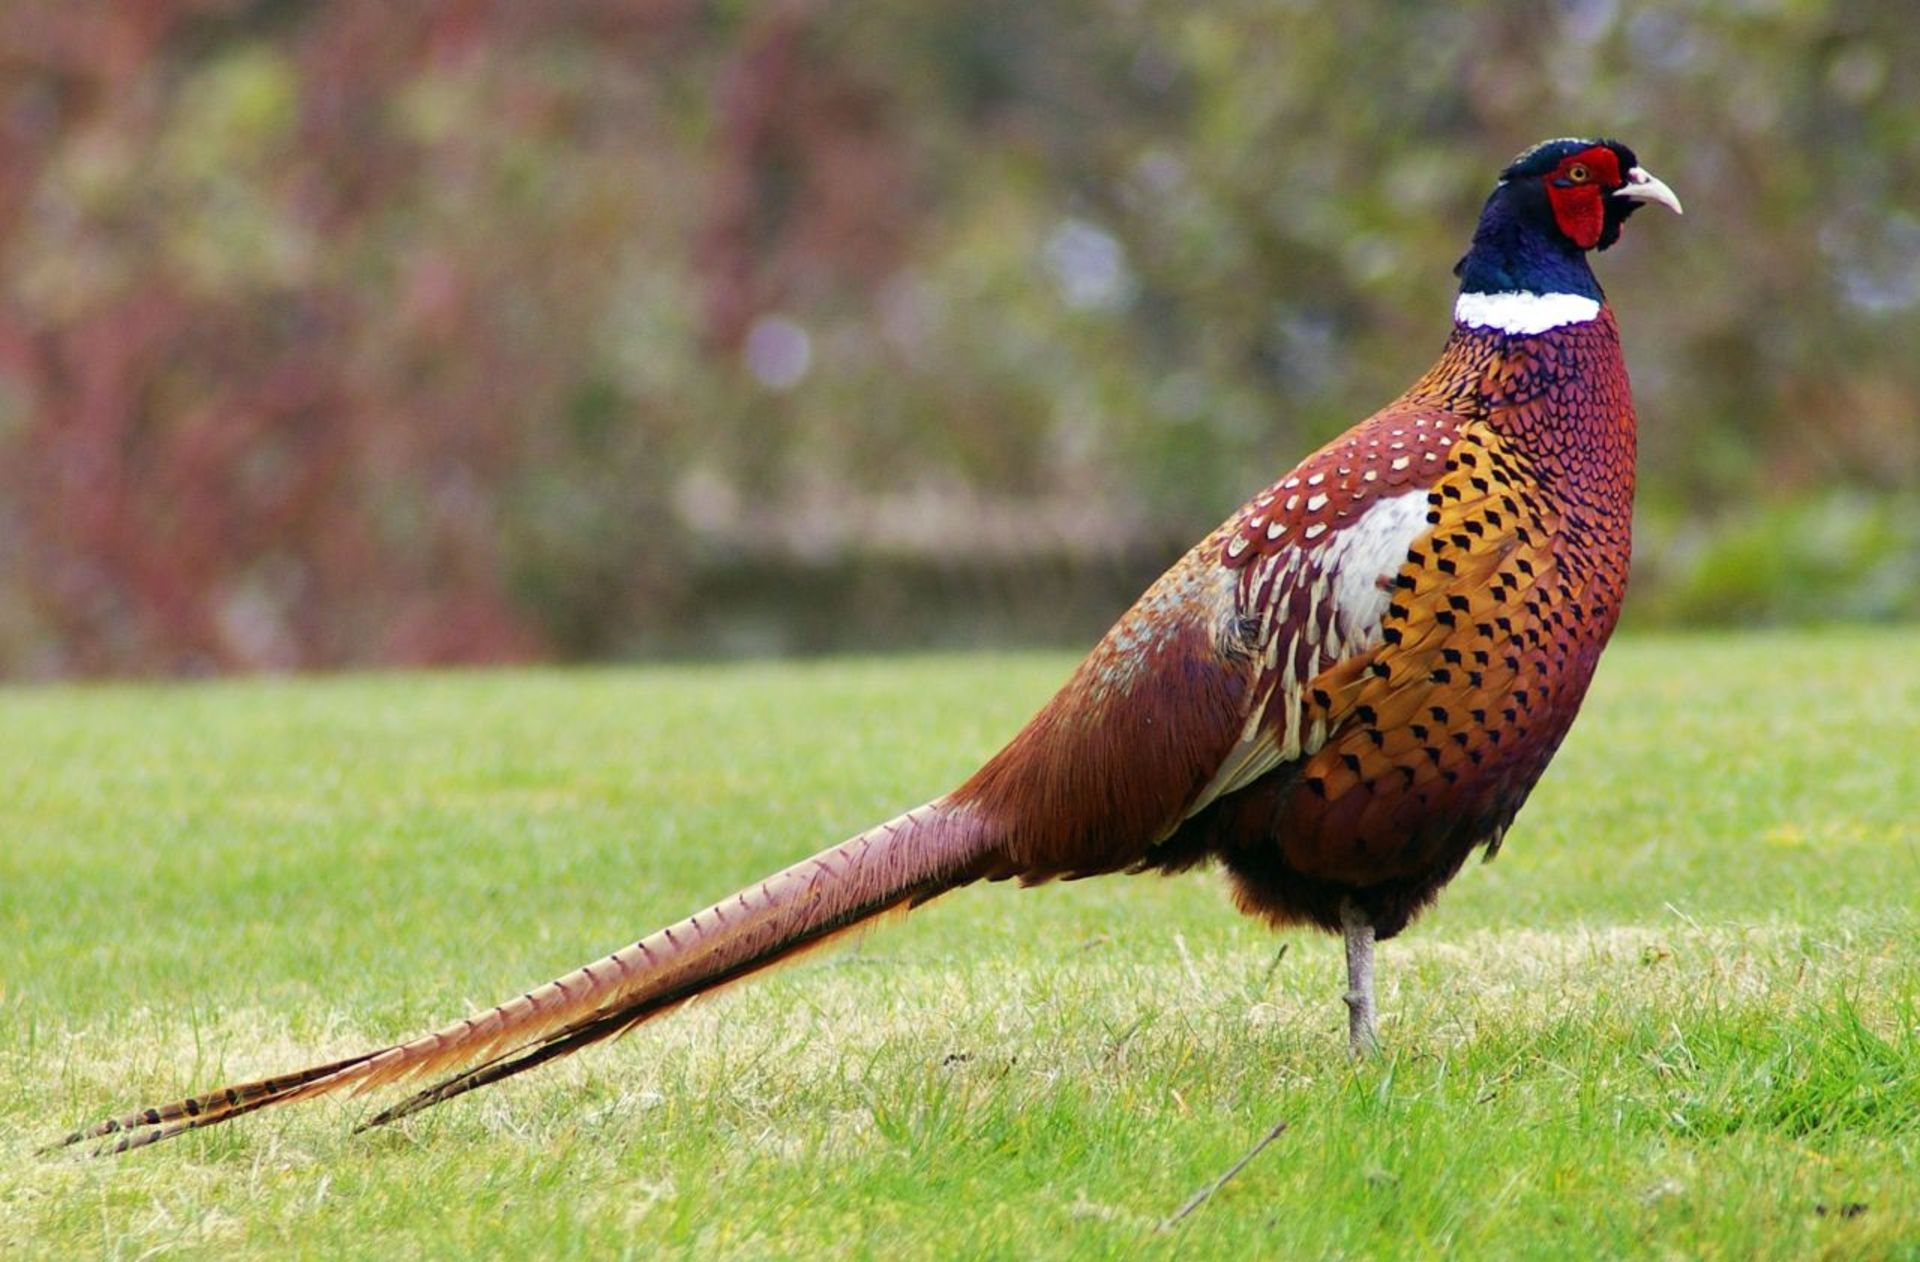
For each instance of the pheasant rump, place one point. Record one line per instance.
(1339, 694)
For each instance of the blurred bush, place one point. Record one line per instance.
(467, 331)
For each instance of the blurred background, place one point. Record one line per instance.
(353, 333)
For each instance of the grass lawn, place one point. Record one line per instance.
(1679, 1016)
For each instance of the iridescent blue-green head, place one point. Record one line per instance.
(1553, 204)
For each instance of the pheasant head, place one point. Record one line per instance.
(1553, 204)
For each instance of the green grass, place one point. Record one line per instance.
(1680, 1016)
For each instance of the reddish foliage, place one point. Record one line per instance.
(309, 470)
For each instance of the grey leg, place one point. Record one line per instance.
(1362, 1038)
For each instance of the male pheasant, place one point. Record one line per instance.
(1339, 694)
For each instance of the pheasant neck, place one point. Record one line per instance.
(1513, 251)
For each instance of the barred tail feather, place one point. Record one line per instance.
(148, 1125)
(894, 866)
(619, 1021)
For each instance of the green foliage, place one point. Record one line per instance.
(1680, 1015)
(1830, 558)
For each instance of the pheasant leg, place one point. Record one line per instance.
(1362, 1037)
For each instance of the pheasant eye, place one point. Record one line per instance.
(1577, 173)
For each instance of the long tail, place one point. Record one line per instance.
(895, 866)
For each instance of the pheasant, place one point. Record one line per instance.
(1339, 694)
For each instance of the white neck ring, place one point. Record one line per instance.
(1519, 312)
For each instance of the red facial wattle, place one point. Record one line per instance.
(1577, 190)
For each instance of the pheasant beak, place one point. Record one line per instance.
(1644, 186)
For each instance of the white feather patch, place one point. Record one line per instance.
(1352, 571)
(1364, 558)
(1520, 312)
